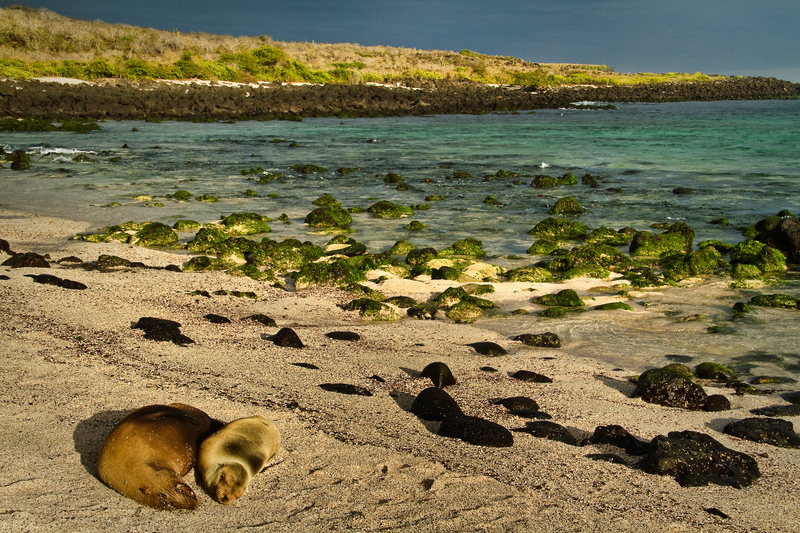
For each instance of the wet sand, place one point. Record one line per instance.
(72, 367)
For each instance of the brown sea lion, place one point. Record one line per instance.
(150, 450)
(229, 458)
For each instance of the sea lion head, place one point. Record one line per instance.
(229, 483)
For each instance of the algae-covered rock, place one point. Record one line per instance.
(415, 225)
(491, 200)
(599, 257)
(564, 298)
(745, 271)
(716, 371)
(207, 198)
(155, 234)
(233, 250)
(543, 247)
(308, 169)
(545, 181)
(206, 237)
(678, 238)
(245, 224)
(613, 306)
(775, 300)
(722, 247)
(604, 235)
(765, 258)
(372, 309)
(566, 206)
(559, 228)
(383, 261)
(540, 340)
(670, 386)
(330, 216)
(402, 248)
(253, 272)
(325, 199)
(387, 209)
(339, 273)
(464, 312)
(588, 271)
(530, 275)
(185, 225)
(182, 196)
(450, 297)
(204, 262)
(391, 177)
(420, 256)
(403, 302)
(447, 273)
(702, 261)
(434, 198)
(469, 246)
(646, 277)
(475, 289)
(284, 256)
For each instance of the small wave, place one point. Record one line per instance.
(543, 165)
(42, 150)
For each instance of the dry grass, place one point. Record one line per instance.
(40, 42)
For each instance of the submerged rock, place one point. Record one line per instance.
(695, 459)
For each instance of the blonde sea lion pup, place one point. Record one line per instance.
(229, 458)
(150, 450)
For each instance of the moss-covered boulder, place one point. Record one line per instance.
(559, 228)
(207, 198)
(391, 177)
(19, 160)
(464, 312)
(564, 298)
(469, 246)
(372, 310)
(204, 262)
(543, 247)
(401, 247)
(646, 244)
(604, 235)
(206, 237)
(185, 225)
(154, 234)
(646, 277)
(587, 271)
(596, 256)
(245, 224)
(233, 250)
(530, 275)
(566, 206)
(715, 371)
(383, 261)
(338, 273)
(253, 272)
(325, 199)
(744, 271)
(765, 258)
(702, 261)
(415, 225)
(722, 247)
(329, 216)
(672, 387)
(447, 273)
(283, 256)
(420, 256)
(613, 306)
(387, 209)
(545, 181)
(449, 297)
(491, 200)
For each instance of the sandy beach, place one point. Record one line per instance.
(73, 367)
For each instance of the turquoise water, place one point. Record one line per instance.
(742, 159)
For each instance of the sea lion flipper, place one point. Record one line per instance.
(179, 496)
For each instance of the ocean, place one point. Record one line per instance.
(741, 160)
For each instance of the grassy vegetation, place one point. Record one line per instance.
(39, 42)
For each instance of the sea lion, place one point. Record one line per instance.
(150, 450)
(230, 458)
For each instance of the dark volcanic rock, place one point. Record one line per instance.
(695, 459)
(4, 277)
(26, 260)
(47, 279)
(488, 348)
(477, 431)
(5, 247)
(778, 410)
(608, 458)
(162, 330)
(287, 338)
(618, 436)
(541, 340)
(717, 402)
(671, 388)
(440, 375)
(345, 388)
(767, 430)
(434, 403)
(517, 403)
(531, 377)
(343, 336)
(262, 319)
(544, 429)
(217, 319)
(785, 236)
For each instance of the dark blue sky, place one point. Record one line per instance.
(734, 37)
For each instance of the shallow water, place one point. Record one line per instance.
(740, 158)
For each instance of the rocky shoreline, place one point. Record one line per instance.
(120, 100)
